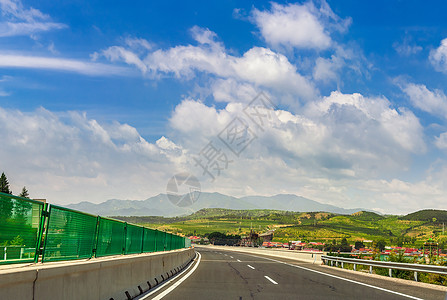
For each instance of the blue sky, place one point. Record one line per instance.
(101, 101)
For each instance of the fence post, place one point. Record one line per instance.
(40, 237)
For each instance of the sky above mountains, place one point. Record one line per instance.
(106, 100)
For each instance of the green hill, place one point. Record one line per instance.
(427, 215)
(410, 230)
(367, 216)
(224, 212)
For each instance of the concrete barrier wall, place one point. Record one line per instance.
(307, 256)
(97, 279)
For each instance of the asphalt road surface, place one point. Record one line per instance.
(234, 275)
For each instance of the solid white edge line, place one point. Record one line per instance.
(238, 260)
(271, 280)
(251, 267)
(341, 278)
(170, 289)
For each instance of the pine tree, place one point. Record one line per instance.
(24, 193)
(6, 205)
(4, 184)
(23, 209)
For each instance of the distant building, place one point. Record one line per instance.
(266, 236)
(197, 239)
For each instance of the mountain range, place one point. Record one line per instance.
(161, 206)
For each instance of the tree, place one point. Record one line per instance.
(358, 245)
(23, 208)
(381, 245)
(4, 184)
(24, 193)
(344, 246)
(6, 205)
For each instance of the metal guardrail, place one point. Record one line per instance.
(416, 268)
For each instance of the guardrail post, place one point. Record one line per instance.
(5, 253)
(415, 268)
(332, 262)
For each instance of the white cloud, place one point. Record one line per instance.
(195, 122)
(342, 145)
(441, 141)
(258, 66)
(434, 102)
(344, 60)
(375, 119)
(203, 36)
(69, 157)
(341, 135)
(406, 49)
(138, 43)
(298, 25)
(52, 48)
(22, 21)
(327, 69)
(61, 64)
(438, 57)
(116, 53)
(230, 90)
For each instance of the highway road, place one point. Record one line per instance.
(234, 275)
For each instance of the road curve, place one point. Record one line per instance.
(223, 274)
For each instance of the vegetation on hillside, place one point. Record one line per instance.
(427, 215)
(409, 231)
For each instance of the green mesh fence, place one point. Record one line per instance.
(168, 242)
(21, 224)
(111, 237)
(187, 243)
(160, 240)
(70, 234)
(181, 242)
(175, 242)
(134, 239)
(149, 240)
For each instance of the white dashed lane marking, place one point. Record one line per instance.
(271, 280)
